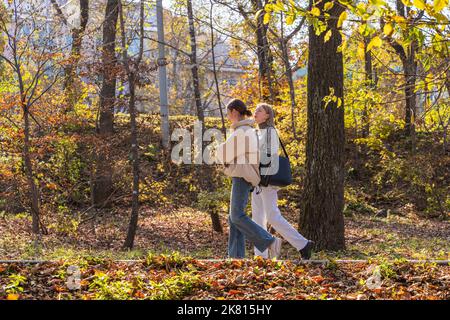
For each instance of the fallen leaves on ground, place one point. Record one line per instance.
(178, 277)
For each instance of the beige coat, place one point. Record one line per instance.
(240, 153)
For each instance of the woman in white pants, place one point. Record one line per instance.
(264, 199)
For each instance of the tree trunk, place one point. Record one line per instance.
(216, 224)
(33, 191)
(265, 58)
(164, 106)
(322, 219)
(194, 66)
(132, 227)
(447, 79)
(369, 84)
(70, 71)
(103, 179)
(131, 75)
(216, 80)
(410, 70)
(290, 80)
(408, 58)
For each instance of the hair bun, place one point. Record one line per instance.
(240, 106)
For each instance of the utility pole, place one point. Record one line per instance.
(164, 108)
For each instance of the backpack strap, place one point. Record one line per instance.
(279, 139)
(282, 145)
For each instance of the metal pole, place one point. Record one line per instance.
(164, 108)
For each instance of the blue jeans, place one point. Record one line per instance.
(241, 225)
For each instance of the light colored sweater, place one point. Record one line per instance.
(268, 152)
(240, 152)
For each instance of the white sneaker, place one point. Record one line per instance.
(275, 248)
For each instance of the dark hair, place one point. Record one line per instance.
(239, 106)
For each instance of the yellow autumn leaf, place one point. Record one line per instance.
(438, 5)
(266, 18)
(388, 29)
(399, 19)
(269, 7)
(328, 6)
(327, 36)
(378, 3)
(342, 46)
(315, 11)
(342, 18)
(419, 4)
(375, 42)
(12, 296)
(279, 5)
(290, 19)
(360, 52)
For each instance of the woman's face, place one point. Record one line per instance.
(260, 115)
(232, 115)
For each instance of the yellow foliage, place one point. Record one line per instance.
(342, 18)
(438, 5)
(315, 11)
(388, 29)
(375, 42)
(419, 4)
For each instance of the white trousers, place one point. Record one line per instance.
(265, 210)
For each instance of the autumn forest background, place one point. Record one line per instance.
(91, 95)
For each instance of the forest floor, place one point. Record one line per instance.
(189, 231)
(171, 244)
(177, 255)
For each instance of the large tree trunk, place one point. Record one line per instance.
(321, 218)
(103, 179)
